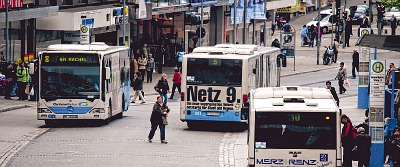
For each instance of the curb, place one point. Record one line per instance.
(14, 108)
(306, 72)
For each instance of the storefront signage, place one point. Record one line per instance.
(72, 36)
(12, 4)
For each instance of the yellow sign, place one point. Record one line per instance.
(46, 59)
(84, 29)
(377, 67)
(72, 59)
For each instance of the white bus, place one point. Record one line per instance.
(293, 126)
(83, 82)
(217, 80)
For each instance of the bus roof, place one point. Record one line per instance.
(95, 47)
(238, 46)
(229, 53)
(292, 99)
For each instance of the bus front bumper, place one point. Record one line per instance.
(213, 115)
(52, 116)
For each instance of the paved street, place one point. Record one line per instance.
(25, 141)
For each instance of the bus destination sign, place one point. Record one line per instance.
(70, 59)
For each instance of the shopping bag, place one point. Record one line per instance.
(32, 92)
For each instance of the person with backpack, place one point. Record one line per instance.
(313, 34)
(363, 144)
(348, 135)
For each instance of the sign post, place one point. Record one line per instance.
(363, 77)
(85, 30)
(376, 110)
(289, 45)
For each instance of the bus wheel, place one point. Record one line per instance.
(107, 121)
(50, 123)
(191, 124)
(121, 114)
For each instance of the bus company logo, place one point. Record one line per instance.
(83, 103)
(267, 161)
(323, 158)
(210, 94)
(377, 67)
(70, 109)
(64, 104)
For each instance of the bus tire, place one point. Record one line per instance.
(50, 123)
(191, 124)
(121, 114)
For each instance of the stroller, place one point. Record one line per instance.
(328, 55)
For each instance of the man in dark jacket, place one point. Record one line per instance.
(363, 143)
(138, 87)
(349, 31)
(395, 150)
(393, 24)
(355, 64)
(9, 72)
(333, 91)
(347, 141)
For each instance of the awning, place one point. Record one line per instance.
(31, 13)
(386, 42)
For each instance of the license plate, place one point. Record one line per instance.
(213, 113)
(70, 117)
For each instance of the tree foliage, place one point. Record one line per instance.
(391, 3)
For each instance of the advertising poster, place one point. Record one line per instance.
(250, 8)
(259, 12)
(239, 11)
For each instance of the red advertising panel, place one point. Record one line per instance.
(12, 4)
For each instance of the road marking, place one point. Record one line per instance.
(7, 155)
(226, 150)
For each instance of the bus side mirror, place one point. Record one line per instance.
(108, 73)
(31, 68)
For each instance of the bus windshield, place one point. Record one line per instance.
(216, 72)
(63, 79)
(295, 130)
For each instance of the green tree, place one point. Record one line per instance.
(391, 3)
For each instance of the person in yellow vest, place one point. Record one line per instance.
(22, 81)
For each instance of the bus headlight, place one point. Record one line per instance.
(98, 110)
(44, 110)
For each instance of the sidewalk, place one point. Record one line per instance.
(8, 105)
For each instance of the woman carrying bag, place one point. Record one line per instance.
(159, 119)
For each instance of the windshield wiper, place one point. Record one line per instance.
(47, 99)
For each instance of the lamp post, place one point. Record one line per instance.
(123, 21)
(234, 21)
(201, 23)
(318, 30)
(244, 22)
(7, 37)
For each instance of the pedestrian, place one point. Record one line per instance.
(388, 78)
(23, 80)
(9, 72)
(341, 76)
(163, 88)
(142, 61)
(393, 24)
(355, 64)
(312, 33)
(287, 28)
(395, 150)
(335, 49)
(150, 68)
(347, 140)
(34, 85)
(364, 125)
(179, 57)
(364, 24)
(138, 87)
(273, 27)
(135, 65)
(333, 91)
(363, 144)
(158, 118)
(176, 82)
(304, 36)
(349, 31)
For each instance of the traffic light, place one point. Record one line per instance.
(344, 15)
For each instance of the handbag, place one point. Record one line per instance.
(156, 88)
(27, 89)
(164, 120)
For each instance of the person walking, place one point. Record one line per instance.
(138, 88)
(179, 57)
(287, 28)
(363, 144)
(142, 61)
(176, 82)
(395, 150)
(333, 91)
(23, 80)
(319, 34)
(335, 49)
(348, 31)
(158, 118)
(347, 140)
(355, 64)
(312, 33)
(150, 68)
(160, 58)
(9, 72)
(163, 87)
(273, 27)
(341, 76)
(393, 24)
(304, 36)
(364, 23)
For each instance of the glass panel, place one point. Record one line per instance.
(222, 72)
(296, 130)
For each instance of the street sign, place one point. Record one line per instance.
(377, 100)
(88, 21)
(365, 31)
(85, 35)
